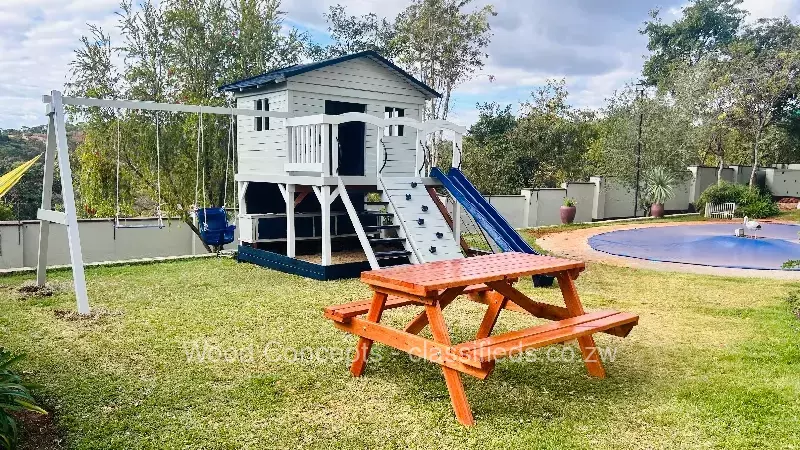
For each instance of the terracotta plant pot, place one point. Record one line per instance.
(657, 210)
(568, 214)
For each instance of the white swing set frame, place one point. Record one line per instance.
(57, 148)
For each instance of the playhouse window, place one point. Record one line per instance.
(394, 130)
(259, 121)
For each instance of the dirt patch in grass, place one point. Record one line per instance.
(38, 431)
(31, 289)
(94, 315)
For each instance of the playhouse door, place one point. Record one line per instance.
(351, 138)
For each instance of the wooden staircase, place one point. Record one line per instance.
(404, 226)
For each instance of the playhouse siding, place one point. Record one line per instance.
(361, 81)
(262, 152)
(367, 82)
(361, 74)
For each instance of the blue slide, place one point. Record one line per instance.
(486, 216)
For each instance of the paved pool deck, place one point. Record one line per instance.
(575, 245)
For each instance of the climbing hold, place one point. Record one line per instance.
(413, 184)
(420, 221)
(424, 208)
(408, 196)
(439, 234)
(433, 249)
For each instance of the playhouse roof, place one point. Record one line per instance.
(279, 75)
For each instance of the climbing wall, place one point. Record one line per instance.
(427, 234)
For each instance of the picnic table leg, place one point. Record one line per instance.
(364, 345)
(591, 356)
(452, 378)
(421, 320)
(496, 302)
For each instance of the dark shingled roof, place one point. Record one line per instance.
(276, 76)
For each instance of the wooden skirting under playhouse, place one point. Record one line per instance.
(297, 266)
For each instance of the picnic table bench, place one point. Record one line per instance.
(486, 279)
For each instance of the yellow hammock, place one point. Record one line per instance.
(10, 179)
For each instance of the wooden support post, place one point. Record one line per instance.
(242, 191)
(335, 149)
(325, 203)
(290, 230)
(364, 344)
(588, 347)
(47, 197)
(57, 127)
(287, 192)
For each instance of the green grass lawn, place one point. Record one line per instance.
(713, 363)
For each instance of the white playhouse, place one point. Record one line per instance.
(353, 133)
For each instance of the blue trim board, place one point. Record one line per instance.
(279, 75)
(294, 266)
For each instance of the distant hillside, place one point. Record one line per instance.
(16, 147)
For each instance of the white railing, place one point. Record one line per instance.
(309, 148)
(312, 141)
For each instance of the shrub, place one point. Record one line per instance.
(570, 202)
(750, 202)
(15, 395)
(659, 185)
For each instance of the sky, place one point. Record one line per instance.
(594, 44)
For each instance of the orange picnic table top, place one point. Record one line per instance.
(484, 279)
(422, 279)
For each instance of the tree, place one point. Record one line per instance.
(706, 27)
(443, 45)
(178, 52)
(353, 34)
(545, 146)
(486, 146)
(759, 76)
(553, 138)
(667, 138)
(697, 97)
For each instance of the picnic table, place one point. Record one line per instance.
(486, 279)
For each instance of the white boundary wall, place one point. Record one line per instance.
(598, 199)
(19, 242)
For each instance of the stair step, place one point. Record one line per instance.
(381, 227)
(377, 203)
(375, 214)
(380, 240)
(392, 254)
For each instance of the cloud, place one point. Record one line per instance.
(37, 40)
(594, 44)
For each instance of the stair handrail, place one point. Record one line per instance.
(362, 236)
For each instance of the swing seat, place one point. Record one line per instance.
(214, 228)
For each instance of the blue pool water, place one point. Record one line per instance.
(706, 245)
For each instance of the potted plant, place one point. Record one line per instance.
(568, 210)
(659, 184)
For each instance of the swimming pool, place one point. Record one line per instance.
(705, 245)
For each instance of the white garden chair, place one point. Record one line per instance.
(720, 210)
